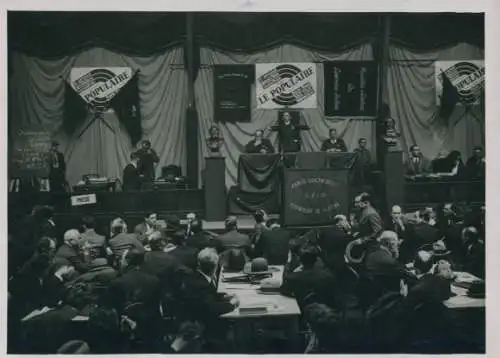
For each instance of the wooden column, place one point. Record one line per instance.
(192, 167)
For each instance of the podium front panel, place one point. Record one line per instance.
(314, 197)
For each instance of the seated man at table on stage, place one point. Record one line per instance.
(475, 166)
(147, 160)
(259, 145)
(417, 164)
(334, 144)
(132, 179)
(288, 129)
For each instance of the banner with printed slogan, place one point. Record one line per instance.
(98, 86)
(286, 85)
(463, 79)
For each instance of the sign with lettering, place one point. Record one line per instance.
(350, 88)
(286, 85)
(30, 150)
(466, 77)
(232, 86)
(314, 196)
(86, 199)
(98, 85)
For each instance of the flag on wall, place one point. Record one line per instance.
(286, 85)
(233, 85)
(466, 78)
(351, 88)
(96, 90)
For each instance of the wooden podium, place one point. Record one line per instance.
(215, 188)
(394, 178)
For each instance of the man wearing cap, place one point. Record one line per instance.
(57, 168)
(147, 160)
(232, 239)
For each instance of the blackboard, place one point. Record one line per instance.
(29, 154)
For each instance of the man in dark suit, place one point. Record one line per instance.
(274, 244)
(333, 242)
(57, 168)
(157, 262)
(184, 254)
(132, 179)
(288, 129)
(198, 239)
(232, 239)
(476, 165)
(69, 252)
(121, 240)
(259, 145)
(333, 144)
(362, 169)
(137, 295)
(417, 164)
(369, 224)
(147, 227)
(308, 282)
(424, 233)
(147, 160)
(382, 269)
(89, 237)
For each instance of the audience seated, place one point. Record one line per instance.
(147, 227)
(157, 262)
(122, 241)
(70, 252)
(89, 238)
(308, 282)
(473, 252)
(232, 238)
(197, 238)
(274, 244)
(184, 254)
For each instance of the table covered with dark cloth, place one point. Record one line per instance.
(261, 173)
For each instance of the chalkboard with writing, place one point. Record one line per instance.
(29, 154)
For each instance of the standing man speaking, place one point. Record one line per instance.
(147, 160)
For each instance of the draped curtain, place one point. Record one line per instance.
(410, 93)
(238, 134)
(37, 97)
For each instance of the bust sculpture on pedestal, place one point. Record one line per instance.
(214, 141)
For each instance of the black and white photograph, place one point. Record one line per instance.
(245, 182)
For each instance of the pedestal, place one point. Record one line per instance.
(394, 175)
(215, 189)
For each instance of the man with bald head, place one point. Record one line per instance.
(70, 253)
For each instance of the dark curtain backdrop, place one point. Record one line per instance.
(56, 34)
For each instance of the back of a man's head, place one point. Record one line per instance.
(308, 256)
(71, 237)
(118, 226)
(134, 258)
(156, 241)
(88, 222)
(196, 226)
(207, 261)
(470, 234)
(231, 223)
(389, 240)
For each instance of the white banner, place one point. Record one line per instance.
(466, 76)
(98, 85)
(286, 85)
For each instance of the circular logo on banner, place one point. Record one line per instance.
(102, 76)
(468, 82)
(286, 98)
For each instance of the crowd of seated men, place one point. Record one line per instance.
(153, 289)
